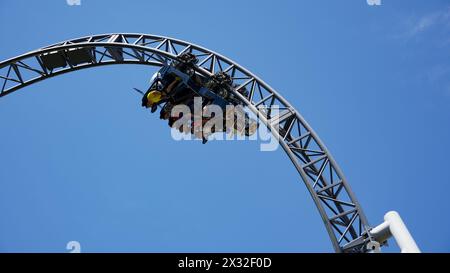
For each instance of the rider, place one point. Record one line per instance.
(158, 92)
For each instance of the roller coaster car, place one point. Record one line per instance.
(178, 83)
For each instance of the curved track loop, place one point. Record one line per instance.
(341, 213)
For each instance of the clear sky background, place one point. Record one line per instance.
(81, 160)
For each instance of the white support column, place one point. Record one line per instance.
(394, 226)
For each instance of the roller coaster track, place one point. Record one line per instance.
(341, 213)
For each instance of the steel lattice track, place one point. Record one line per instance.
(342, 215)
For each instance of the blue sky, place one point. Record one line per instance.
(81, 160)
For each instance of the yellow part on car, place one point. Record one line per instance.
(153, 97)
